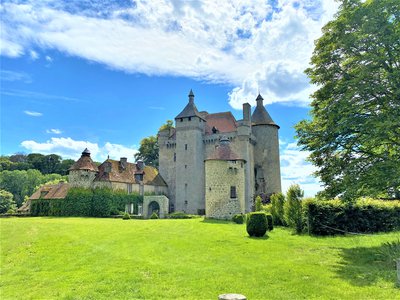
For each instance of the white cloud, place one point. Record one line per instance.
(295, 169)
(33, 113)
(248, 44)
(33, 54)
(69, 148)
(8, 75)
(35, 95)
(55, 131)
(48, 59)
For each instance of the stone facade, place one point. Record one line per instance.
(158, 204)
(184, 150)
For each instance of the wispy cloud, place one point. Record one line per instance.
(8, 75)
(258, 46)
(33, 113)
(295, 169)
(55, 131)
(36, 95)
(70, 148)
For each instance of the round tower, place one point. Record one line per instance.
(224, 182)
(83, 172)
(267, 173)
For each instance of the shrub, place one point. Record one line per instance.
(363, 216)
(154, 215)
(256, 224)
(389, 253)
(270, 221)
(239, 218)
(7, 202)
(277, 210)
(293, 208)
(180, 215)
(126, 216)
(258, 204)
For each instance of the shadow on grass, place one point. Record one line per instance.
(362, 266)
(216, 221)
(265, 237)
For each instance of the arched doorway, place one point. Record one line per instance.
(153, 207)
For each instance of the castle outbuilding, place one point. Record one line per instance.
(191, 160)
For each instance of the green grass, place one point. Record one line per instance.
(83, 258)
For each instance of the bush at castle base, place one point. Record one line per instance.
(270, 222)
(363, 216)
(239, 218)
(154, 216)
(256, 224)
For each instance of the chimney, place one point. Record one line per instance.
(246, 112)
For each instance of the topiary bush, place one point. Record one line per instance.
(126, 216)
(154, 216)
(239, 218)
(270, 221)
(256, 224)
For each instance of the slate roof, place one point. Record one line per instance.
(52, 191)
(224, 152)
(190, 109)
(260, 115)
(127, 175)
(223, 122)
(84, 162)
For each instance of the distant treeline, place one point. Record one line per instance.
(46, 164)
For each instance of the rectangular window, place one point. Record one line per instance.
(233, 192)
(185, 146)
(129, 188)
(174, 156)
(190, 119)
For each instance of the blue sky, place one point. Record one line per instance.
(105, 74)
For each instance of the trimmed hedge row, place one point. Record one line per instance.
(81, 202)
(363, 216)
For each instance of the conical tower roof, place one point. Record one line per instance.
(85, 162)
(260, 115)
(224, 151)
(190, 109)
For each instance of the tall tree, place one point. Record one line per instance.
(148, 151)
(354, 132)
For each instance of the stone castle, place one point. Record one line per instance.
(214, 164)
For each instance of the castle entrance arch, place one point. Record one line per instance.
(153, 207)
(159, 203)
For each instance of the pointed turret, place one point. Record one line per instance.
(83, 172)
(190, 109)
(260, 115)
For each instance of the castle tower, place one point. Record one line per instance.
(245, 148)
(83, 172)
(224, 182)
(267, 174)
(189, 160)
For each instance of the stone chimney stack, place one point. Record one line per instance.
(246, 112)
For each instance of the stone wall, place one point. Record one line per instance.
(162, 201)
(81, 178)
(266, 159)
(220, 176)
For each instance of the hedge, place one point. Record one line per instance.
(81, 202)
(363, 216)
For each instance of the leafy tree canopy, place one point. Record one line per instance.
(168, 125)
(354, 131)
(148, 151)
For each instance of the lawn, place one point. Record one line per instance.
(86, 258)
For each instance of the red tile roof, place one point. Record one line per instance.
(53, 191)
(223, 122)
(117, 173)
(224, 152)
(84, 163)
